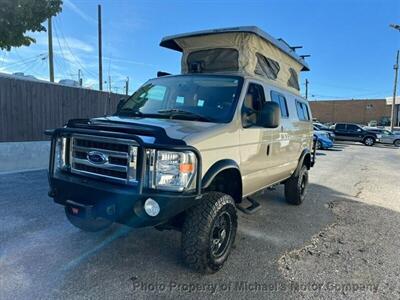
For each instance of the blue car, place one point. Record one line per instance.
(323, 140)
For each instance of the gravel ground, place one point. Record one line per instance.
(346, 232)
(356, 256)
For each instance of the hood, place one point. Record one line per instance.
(175, 129)
(328, 132)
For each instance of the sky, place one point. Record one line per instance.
(352, 47)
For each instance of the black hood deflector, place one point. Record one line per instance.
(157, 132)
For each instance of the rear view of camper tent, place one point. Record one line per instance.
(241, 49)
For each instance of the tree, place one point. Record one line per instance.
(19, 16)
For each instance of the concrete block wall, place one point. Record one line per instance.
(24, 156)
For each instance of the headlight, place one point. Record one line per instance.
(379, 136)
(60, 154)
(173, 171)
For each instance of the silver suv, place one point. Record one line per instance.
(186, 151)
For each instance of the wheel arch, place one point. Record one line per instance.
(224, 176)
(369, 136)
(305, 159)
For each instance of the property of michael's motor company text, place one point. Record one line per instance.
(246, 286)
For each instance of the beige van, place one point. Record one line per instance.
(186, 151)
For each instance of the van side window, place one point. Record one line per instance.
(302, 111)
(293, 79)
(253, 102)
(281, 100)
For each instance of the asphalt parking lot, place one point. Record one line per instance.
(344, 237)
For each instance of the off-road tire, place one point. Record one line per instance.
(199, 236)
(369, 141)
(296, 187)
(396, 143)
(90, 225)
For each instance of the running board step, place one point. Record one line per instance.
(252, 208)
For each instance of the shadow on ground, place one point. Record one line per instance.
(42, 255)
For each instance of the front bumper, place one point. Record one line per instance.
(121, 204)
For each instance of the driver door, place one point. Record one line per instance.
(255, 142)
(355, 133)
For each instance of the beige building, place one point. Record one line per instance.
(355, 111)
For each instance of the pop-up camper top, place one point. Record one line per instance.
(246, 50)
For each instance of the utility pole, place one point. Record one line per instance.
(79, 77)
(100, 51)
(307, 82)
(50, 38)
(109, 83)
(127, 86)
(396, 71)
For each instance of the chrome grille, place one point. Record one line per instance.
(117, 158)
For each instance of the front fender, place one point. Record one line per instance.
(215, 169)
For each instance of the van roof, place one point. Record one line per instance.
(170, 41)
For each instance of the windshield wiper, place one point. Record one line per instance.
(136, 113)
(129, 112)
(176, 112)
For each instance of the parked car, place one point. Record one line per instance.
(355, 133)
(321, 126)
(329, 132)
(322, 139)
(387, 137)
(185, 151)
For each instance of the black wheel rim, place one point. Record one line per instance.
(221, 234)
(303, 184)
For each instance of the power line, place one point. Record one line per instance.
(314, 95)
(67, 66)
(73, 55)
(27, 60)
(29, 66)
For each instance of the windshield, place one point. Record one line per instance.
(321, 126)
(194, 97)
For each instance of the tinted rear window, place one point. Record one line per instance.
(281, 100)
(352, 127)
(302, 111)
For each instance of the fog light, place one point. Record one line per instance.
(151, 207)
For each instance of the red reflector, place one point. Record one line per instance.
(75, 211)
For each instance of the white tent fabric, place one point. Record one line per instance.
(248, 44)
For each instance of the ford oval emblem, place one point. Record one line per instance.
(97, 157)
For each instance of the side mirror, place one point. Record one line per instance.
(121, 103)
(359, 130)
(270, 115)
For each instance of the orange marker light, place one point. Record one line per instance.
(186, 168)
